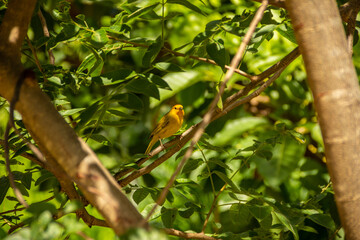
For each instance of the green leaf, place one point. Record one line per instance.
(117, 123)
(191, 165)
(262, 34)
(69, 30)
(22, 189)
(142, 85)
(168, 216)
(217, 52)
(188, 5)
(228, 181)
(121, 114)
(70, 112)
(140, 194)
(286, 31)
(88, 114)
(152, 52)
(264, 153)
(323, 220)
(45, 175)
(168, 67)
(308, 229)
(72, 206)
(129, 100)
(298, 136)
(99, 38)
(93, 63)
(139, 12)
(80, 17)
(219, 163)
(260, 212)
(4, 187)
(158, 81)
(114, 77)
(283, 162)
(101, 139)
(26, 180)
(181, 153)
(186, 212)
(208, 145)
(286, 222)
(20, 151)
(240, 214)
(39, 207)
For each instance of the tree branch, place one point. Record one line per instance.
(196, 131)
(46, 34)
(185, 235)
(52, 134)
(187, 135)
(14, 27)
(334, 83)
(276, 3)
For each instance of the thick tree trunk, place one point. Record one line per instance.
(333, 81)
(51, 131)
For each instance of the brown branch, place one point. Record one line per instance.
(284, 62)
(185, 235)
(66, 186)
(276, 3)
(51, 132)
(334, 83)
(23, 208)
(349, 10)
(9, 125)
(46, 34)
(207, 60)
(257, 78)
(29, 156)
(14, 27)
(178, 142)
(229, 104)
(207, 117)
(37, 62)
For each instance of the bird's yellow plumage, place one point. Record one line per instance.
(168, 125)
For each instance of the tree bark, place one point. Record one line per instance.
(333, 81)
(50, 130)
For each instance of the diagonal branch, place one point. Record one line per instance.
(46, 34)
(177, 233)
(280, 66)
(207, 117)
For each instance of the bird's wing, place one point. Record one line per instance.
(164, 121)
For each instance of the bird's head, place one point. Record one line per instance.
(178, 109)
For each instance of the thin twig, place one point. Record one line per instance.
(136, 173)
(276, 3)
(29, 156)
(33, 148)
(185, 235)
(46, 34)
(207, 60)
(229, 108)
(13, 101)
(37, 62)
(207, 117)
(21, 209)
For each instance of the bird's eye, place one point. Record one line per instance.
(175, 107)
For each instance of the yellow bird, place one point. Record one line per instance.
(168, 125)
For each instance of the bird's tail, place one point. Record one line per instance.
(151, 144)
